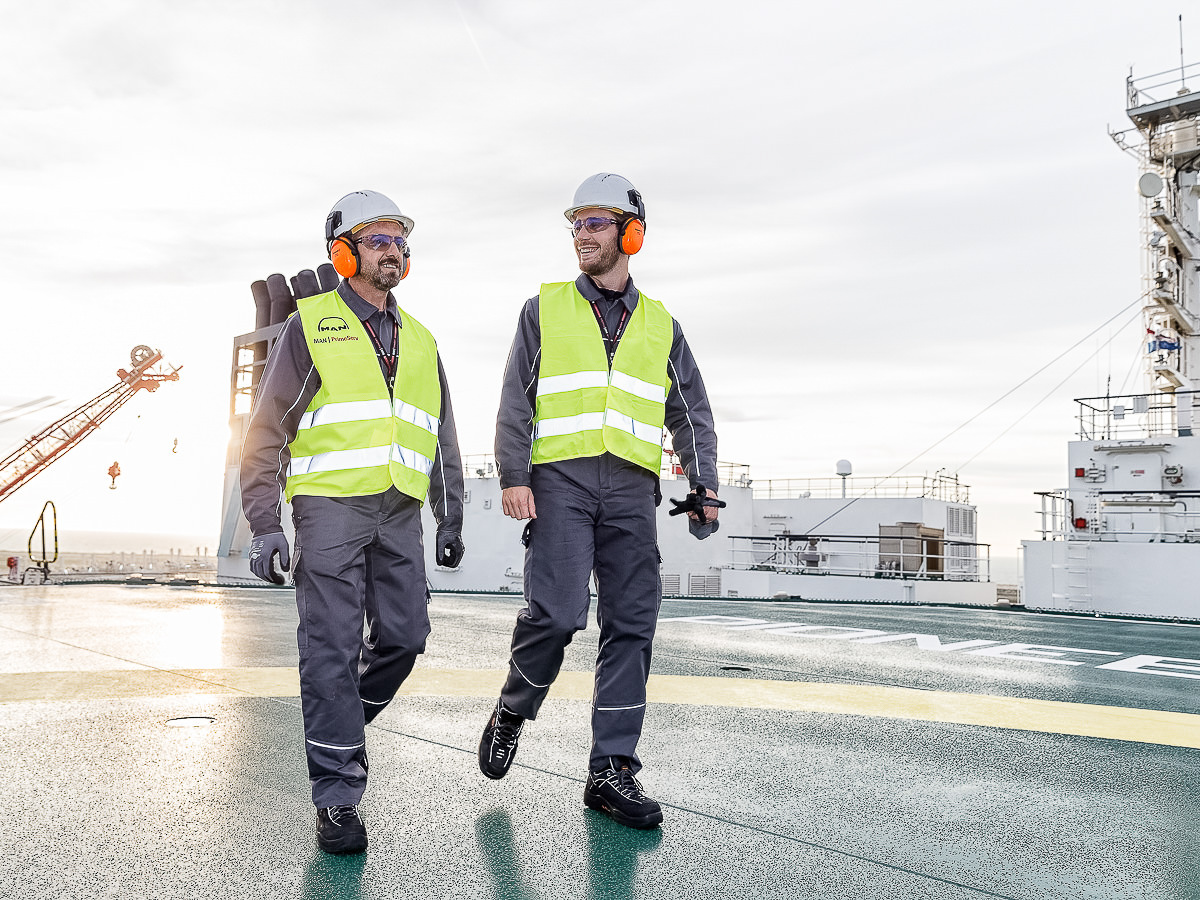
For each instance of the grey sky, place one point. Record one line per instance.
(871, 219)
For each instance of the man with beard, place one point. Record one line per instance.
(352, 420)
(595, 372)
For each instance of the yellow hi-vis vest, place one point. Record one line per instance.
(355, 439)
(583, 408)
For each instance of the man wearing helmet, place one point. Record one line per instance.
(596, 371)
(352, 420)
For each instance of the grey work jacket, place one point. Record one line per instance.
(688, 414)
(289, 382)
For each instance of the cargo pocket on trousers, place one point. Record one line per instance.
(658, 574)
(301, 605)
(302, 628)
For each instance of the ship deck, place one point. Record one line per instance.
(151, 739)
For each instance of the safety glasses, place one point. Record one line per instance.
(594, 224)
(378, 242)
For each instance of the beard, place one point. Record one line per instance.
(601, 262)
(383, 279)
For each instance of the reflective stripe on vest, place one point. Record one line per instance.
(354, 439)
(582, 408)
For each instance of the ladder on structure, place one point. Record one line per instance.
(1071, 583)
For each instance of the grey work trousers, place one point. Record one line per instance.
(357, 559)
(595, 514)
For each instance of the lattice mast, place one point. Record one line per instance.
(52, 442)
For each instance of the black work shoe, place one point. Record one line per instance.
(616, 793)
(498, 745)
(340, 830)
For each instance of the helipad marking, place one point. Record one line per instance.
(1147, 726)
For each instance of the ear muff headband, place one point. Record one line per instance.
(344, 256)
(633, 232)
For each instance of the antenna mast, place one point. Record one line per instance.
(1167, 115)
(1182, 74)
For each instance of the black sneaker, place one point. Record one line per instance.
(340, 830)
(498, 745)
(616, 793)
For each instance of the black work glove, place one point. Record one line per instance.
(449, 549)
(263, 549)
(694, 504)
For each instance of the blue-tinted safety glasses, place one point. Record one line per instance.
(594, 224)
(378, 242)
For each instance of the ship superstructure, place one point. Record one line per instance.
(1123, 537)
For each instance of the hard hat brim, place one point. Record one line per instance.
(573, 211)
(403, 221)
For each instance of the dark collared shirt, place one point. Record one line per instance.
(688, 414)
(289, 382)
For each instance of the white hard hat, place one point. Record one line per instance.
(359, 208)
(607, 191)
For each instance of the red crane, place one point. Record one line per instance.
(49, 444)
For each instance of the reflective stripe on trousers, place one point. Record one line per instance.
(594, 513)
(357, 559)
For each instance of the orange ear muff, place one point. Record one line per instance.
(344, 257)
(633, 233)
(405, 263)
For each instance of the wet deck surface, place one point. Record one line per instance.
(1052, 758)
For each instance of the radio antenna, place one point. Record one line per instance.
(1182, 73)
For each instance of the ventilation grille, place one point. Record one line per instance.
(704, 585)
(960, 521)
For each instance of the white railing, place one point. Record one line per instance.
(736, 474)
(933, 487)
(863, 556)
(1135, 416)
(1053, 515)
(727, 473)
(1152, 517)
(480, 465)
(1160, 86)
(483, 465)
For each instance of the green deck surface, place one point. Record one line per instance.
(791, 763)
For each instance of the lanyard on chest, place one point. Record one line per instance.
(387, 361)
(611, 340)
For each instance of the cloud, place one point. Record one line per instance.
(871, 220)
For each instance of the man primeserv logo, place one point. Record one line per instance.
(329, 329)
(332, 323)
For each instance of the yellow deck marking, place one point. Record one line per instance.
(1146, 726)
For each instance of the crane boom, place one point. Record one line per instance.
(53, 441)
